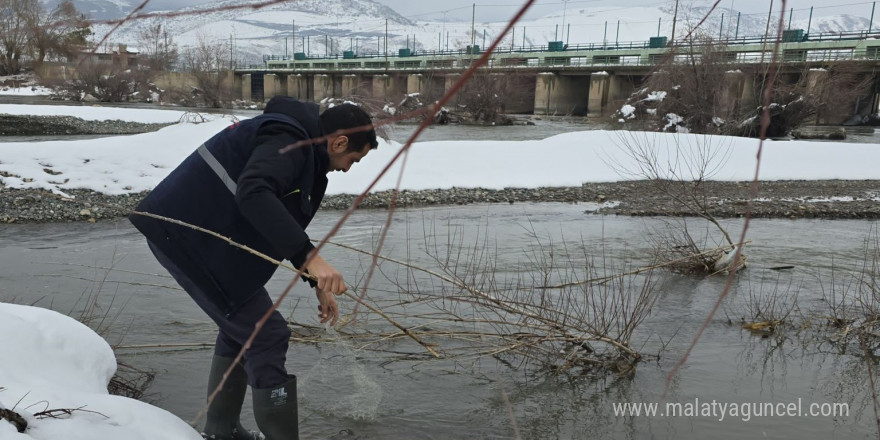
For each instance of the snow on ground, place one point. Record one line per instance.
(126, 164)
(51, 362)
(25, 90)
(94, 112)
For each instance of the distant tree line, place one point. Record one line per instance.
(30, 35)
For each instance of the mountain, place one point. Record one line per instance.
(111, 9)
(268, 30)
(327, 27)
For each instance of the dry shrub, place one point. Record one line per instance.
(679, 172)
(686, 92)
(560, 314)
(484, 99)
(696, 89)
(104, 82)
(768, 306)
(674, 247)
(207, 63)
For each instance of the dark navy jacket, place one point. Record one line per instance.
(276, 196)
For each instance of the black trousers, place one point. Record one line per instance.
(264, 360)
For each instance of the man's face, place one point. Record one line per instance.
(340, 158)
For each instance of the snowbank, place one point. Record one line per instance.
(130, 164)
(51, 361)
(94, 112)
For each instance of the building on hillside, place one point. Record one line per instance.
(122, 56)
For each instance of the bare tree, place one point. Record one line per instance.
(206, 63)
(159, 49)
(820, 95)
(105, 82)
(485, 97)
(679, 171)
(15, 17)
(61, 32)
(696, 90)
(686, 92)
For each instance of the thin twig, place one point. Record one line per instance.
(278, 263)
(753, 193)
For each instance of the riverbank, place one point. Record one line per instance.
(17, 125)
(829, 199)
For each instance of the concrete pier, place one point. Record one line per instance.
(389, 87)
(246, 87)
(323, 87)
(298, 87)
(272, 86)
(557, 94)
(350, 85)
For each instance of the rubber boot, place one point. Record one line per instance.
(276, 412)
(222, 420)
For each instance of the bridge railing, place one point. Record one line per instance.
(828, 55)
(581, 47)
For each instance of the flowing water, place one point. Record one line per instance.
(391, 391)
(380, 395)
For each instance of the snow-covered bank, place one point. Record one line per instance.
(131, 164)
(52, 362)
(25, 90)
(95, 112)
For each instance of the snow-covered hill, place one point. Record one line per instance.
(329, 27)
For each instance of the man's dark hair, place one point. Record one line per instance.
(345, 116)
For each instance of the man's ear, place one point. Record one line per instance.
(339, 144)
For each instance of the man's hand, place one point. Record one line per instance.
(327, 308)
(329, 279)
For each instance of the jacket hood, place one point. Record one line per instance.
(307, 113)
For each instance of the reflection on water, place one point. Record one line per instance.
(857, 135)
(382, 395)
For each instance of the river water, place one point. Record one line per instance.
(381, 396)
(392, 391)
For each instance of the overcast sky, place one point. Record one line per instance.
(492, 10)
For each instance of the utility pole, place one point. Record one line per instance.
(165, 47)
(386, 42)
(674, 19)
(564, 6)
(767, 29)
(738, 14)
(617, 35)
(473, 31)
(443, 31)
(293, 34)
(605, 35)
